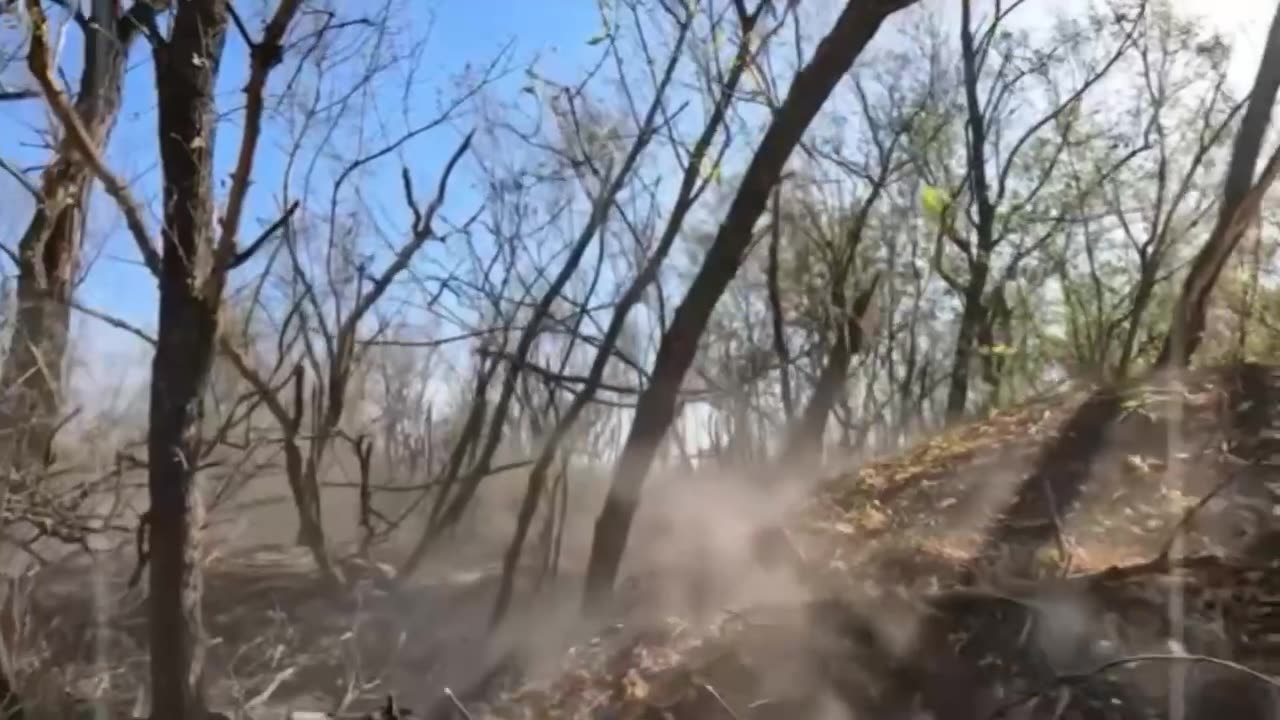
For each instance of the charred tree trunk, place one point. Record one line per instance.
(974, 313)
(776, 312)
(971, 319)
(49, 250)
(655, 408)
(191, 283)
(1241, 198)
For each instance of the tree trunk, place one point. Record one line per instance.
(806, 435)
(655, 408)
(444, 516)
(776, 313)
(49, 250)
(1241, 200)
(1141, 299)
(971, 318)
(190, 298)
(634, 293)
(304, 484)
(974, 313)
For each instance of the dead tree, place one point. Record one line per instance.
(192, 275)
(693, 183)
(610, 178)
(1241, 202)
(655, 409)
(192, 268)
(336, 362)
(49, 250)
(333, 301)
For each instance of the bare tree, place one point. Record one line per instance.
(1241, 202)
(850, 319)
(693, 183)
(303, 354)
(833, 57)
(48, 254)
(989, 176)
(1166, 111)
(192, 274)
(192, 268)
(336, 364)
(1174, 194)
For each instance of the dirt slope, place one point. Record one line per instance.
(976, 576)
(965, 578)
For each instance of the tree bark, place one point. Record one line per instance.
(655, 408)
(806, 435)
(49, 250)
(776, 312)
(191, 284)
(1241, 200)
(974, 312)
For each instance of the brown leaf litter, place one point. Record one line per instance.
(969, 577)
(1077, 612)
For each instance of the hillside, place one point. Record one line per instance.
(534, 364)
(939, 579)
(927, 598)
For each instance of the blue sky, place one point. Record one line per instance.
(460, 31)
(463, 30)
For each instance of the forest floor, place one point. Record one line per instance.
(1034, 564)
(933, 582)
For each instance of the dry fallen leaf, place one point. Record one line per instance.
(634, 687)
(874, 519)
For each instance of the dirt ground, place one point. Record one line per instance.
(878, 561)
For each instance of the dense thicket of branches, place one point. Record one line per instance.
(735, 234)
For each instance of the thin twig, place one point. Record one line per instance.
(457, 703)
(22, 180)
(1194, 510)
(113, 321)
(245, 255)
(722, 702)
(1066, 680)
(8, 95)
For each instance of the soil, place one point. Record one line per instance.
(1105, 553)
(1102, 553)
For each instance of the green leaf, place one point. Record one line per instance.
(934, 201)
(710, 171)
(604, 35)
